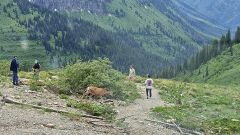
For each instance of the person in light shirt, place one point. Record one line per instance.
(132, 73)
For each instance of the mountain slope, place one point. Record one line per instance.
(14, 37)
(222, 70)
(64, 40)
(222, 11)
(160, 28)
(145, 34)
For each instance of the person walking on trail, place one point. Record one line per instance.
(132, 73)
(149, 86)
(36, 70)
(14, 68)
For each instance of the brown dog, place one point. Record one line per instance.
(97, 92)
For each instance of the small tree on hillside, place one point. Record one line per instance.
(222, 43)
(237, 36)
(228, 39)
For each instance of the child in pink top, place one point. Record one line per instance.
(149, 86)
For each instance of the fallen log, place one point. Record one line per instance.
(11, 101)
(178, 127)
(174, 126)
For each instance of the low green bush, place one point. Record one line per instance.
(76, 78)
(4, 68)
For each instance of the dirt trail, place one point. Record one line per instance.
(135, 116)
(17, 120)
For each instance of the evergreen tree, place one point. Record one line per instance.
(229, 42)
(222, 43)
(237, 35)
(214, 49)
(228, 39)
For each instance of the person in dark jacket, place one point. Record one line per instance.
(36, 70)
(14, 68)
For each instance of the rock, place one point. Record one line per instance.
(39, 103)
(55, 103)
(29, 91)
(49, 125)
(45, 91)
(235, 120)
(171, 120)
(17, 97)
(55, 77)
(122, 103)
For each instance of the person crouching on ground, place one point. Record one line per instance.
(14, 68)
(149, 86)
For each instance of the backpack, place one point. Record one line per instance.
(149, 82)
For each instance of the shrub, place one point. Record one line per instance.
(76, 78)
(4, 68)
(105, 111)
(33, 86)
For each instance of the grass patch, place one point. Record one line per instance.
(222, 126)
(202, 107)
(105, 111)
(63, 96)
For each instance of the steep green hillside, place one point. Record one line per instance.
(146, 34)
(223, 70)
(158, 25)
(211, 109)
(14, 37)
(64, 40)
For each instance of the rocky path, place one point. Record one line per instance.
(136, 116)
(19, 120)
(131, 119)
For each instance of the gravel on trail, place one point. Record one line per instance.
(136, 115)
(131, 119)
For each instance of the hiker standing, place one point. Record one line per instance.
(14, 68)
(149, 86)
(36, 70)
(132, 73)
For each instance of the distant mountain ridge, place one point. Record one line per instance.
(225, 12)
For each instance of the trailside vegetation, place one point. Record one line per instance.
(225, 43)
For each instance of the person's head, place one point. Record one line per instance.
(36, 61)
(15, 57)
(149, 76)
(131, 66)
